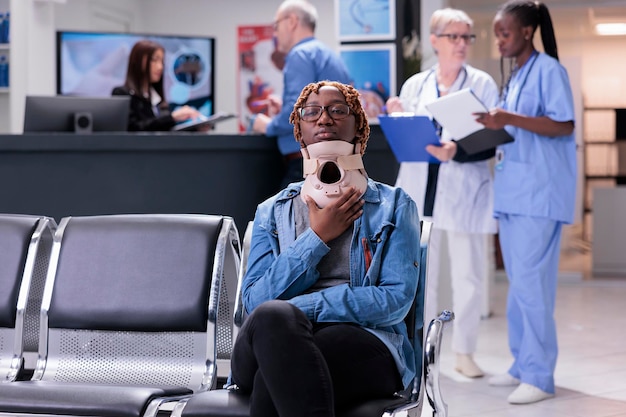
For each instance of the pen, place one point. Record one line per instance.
(367, 253)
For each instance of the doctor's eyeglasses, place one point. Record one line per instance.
(277, 21)
(337, 111)
(455, 38)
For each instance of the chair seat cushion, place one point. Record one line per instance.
(372, 408)
(43, 397)
(228, 403)
(218, 403)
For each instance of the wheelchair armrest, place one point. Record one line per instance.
(432, 348)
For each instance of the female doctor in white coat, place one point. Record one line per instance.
(458, 195)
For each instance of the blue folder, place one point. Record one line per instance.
(408, 136)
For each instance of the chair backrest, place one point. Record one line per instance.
(25, 243)
(134, 299)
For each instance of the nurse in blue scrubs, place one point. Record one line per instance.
(535, 182)
(534, 191)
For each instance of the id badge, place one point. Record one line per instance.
(499, 159)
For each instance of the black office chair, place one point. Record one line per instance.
(230, 402)
(25, 243)
(129, 315)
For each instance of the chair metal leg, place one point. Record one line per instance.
(432, 348)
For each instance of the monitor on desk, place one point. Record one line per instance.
(76, 114)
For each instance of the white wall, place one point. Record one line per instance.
(95, 15)
(32, 52)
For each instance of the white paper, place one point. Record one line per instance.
(454, 112)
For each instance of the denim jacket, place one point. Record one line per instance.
(378, 298)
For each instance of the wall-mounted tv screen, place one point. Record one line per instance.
(91, 64)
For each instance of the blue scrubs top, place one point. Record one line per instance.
(536, 175)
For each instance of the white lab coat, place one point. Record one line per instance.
(464, 196)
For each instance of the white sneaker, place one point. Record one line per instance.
(527, 394)
(504, 380)
(465, 365)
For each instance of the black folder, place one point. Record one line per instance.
(483, 140)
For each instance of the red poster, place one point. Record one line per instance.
(260, 71)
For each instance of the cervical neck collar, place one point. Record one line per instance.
(330, 168)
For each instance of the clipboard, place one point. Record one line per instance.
(455, 113)
(202, 121)
(408, 136)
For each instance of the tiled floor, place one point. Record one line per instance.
(591, 369)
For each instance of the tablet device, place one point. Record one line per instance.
(203, 121)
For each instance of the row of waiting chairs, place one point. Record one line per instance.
(136, 315)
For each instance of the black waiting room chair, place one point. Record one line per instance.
(229, 402)
(25, 244)
(129, 315)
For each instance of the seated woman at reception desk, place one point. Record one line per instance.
(144, 84)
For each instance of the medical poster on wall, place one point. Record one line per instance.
(365, 20)
(260, 71)
(373, 69)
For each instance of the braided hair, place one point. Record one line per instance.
(353, 100)
(533, 13)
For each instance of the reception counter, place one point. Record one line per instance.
(62, 174)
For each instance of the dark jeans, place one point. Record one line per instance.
(292, 367)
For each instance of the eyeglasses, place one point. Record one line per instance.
(337, 111)
(455, 38)
(277, 21)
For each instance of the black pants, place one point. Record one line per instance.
(292, 367)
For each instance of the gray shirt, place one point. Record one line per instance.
(334, 268)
